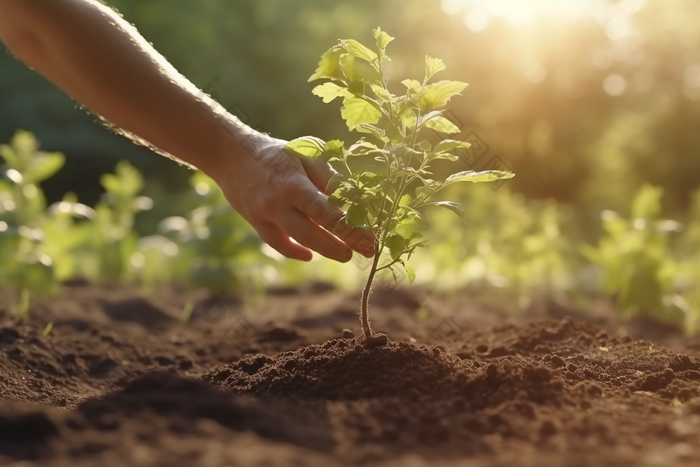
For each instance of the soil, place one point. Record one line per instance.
(281, 380)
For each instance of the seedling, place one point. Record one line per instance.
(186, 313)
(635, 258)
(386, 196)
(26, 267)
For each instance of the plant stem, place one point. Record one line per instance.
(383, 232)
(364, 315)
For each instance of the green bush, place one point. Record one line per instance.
(40, 246)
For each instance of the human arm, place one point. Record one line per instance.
(90, 52)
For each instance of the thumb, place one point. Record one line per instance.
(319, 173)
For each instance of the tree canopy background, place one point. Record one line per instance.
(584, 99)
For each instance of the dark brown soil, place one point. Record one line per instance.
(118, 381)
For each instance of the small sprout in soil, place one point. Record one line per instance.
(385, 195)
(676, 402)
(604, 349)
(186, 313)
(23, 303)
(47, 329)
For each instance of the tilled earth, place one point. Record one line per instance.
(120, 381)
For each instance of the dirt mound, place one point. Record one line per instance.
(401, 398)
(564, 392)
(347, 369)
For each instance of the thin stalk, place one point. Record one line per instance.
(364, 315)
(379, 246)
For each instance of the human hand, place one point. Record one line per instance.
(282, 196)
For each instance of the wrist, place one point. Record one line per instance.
(236, 141)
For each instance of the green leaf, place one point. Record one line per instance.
(24, 146)
(372, 130)
(336, 200)
(408, 118)
(396, 245)
(411, 273)
(647, 203)
(335, 147)
(382, 38)
(334, 182)
(126, 181)
(381, 92)
(425, 145)
(44, 167)
(356, 87)
(442, 125)
(437, 95)
(329, 65)
(477, 177)
(356, 111)
(445, 156)
(407, 228)
(8, 154)
(425, 118)
(450, 144)
(358, 72)
(412, 84)
(371, 181)
(356, 216)
(432, 66)
(306, 146)
(329, 91)
(454, 207)
(358, 50)
(362, 144)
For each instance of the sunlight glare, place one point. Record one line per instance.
(478, 13)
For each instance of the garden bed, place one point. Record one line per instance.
(120, 381)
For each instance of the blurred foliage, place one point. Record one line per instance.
(635, 257)
(689, 265)
(537, 94)
(507, 242)
(587, 109)
(42, 246)
(26, 266)
(520, 248)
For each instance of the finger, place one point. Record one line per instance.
(273, 236)
(311, 235)
(319, 210)
(319, 173)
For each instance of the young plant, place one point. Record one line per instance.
(635, 259)
(221, 252)
(114, 239)
(386, 196)
(26, 266)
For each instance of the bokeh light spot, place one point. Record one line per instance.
(614, 85)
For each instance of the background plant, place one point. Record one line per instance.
(512, 249)
(634, 255)
(386, 196)
(26, 266)
(210, 246)
(217, 248)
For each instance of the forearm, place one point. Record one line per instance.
(103, 62)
